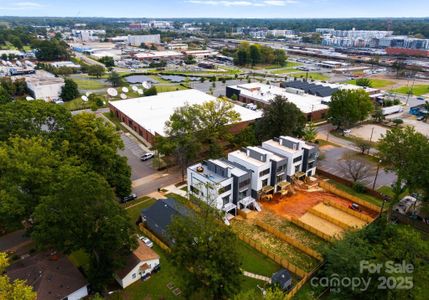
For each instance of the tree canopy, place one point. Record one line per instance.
(70, 90)
(13, 290)
(280, 117)
(255, 54)
(51, 50)
(347, 107)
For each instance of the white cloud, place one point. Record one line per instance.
(21, 6)
(229, 3)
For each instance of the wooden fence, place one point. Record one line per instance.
(332, 189)
(348, 183)
(349, 211)
(289, 240)
(303, 281)
(311, 229)
(280, 260)
(152, 237)
(329, 219)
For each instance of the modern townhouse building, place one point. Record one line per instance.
(226, 185)
(251, 174)
(268, 169)
(301, 156)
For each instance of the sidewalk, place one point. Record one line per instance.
(256, 276)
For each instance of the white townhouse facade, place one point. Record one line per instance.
(227, 186)
(301, 157)
(251, 173)
(268, 169)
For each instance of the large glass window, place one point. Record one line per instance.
(224, 189)
(244, 183)
(264, 172)
(297, 159)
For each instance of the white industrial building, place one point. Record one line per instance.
(46, 88)
(147, 115)
(137, 40)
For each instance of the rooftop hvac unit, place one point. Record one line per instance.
(200, 169)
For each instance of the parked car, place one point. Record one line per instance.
(420, 118)
(145, 240)
(129, 198)
(355, 207)
(146, 156)
(420, 98)
(347, 131)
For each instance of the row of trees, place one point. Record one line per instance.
(247, 54)
(63, 173)
(10, 90)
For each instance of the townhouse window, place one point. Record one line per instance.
(194, 190)
(281, 168)
(264, 182)
(279, 178)
(310, 165)
(297, 168)
(225, 200)
(224, 189)
(242, 195)
(264, 172)
(244, 183)
(297, 159)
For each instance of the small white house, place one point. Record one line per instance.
(140, 263)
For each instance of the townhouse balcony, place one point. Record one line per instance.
(228, 207)
(246, 201)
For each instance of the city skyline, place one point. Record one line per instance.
(217, 9)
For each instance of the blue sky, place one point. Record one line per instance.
(217, 8)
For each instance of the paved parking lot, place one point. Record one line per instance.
(133, 152)
(219, 90)
(330, 163)
(364, 131)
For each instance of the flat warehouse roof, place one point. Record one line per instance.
(152, 112)
(265, 93)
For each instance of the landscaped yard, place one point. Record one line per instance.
(418, 90)
(134, 208)
(76, 104)
(387, 190)
(352, 192)
(375, 82)
(284, 70)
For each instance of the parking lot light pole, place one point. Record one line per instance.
(376, 174)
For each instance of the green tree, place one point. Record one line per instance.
(70, 90)
(378, 243)
(108, 61)
(95, 143)
(254, 55)
(5, 97)
(280, 117)
(310, 132)
(209, 251)
(406, 152)
(114, 79)
(347, 107)
(365, 82)
(280, 57)
(363, 145)
(246, 137)
(151, 91)
(96, 70)
(82, 214)
(378, 115)
(13, 290)
(51, 50)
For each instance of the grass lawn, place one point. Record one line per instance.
(156, 286)
(311, 75)
(387, 190)
(89, 84)
(80, 259)
(76, 104)
(255, 262)
(352, 192)
(418, 90)
(284, 70)
(376, 83)
(135, 208)
(169, 88)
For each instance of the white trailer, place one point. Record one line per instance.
(391, 110)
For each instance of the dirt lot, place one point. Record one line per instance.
(340, 215)
(364, 132)
(299, 203)
(322, 224)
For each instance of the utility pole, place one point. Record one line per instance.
(376, 174)
(370, 139)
